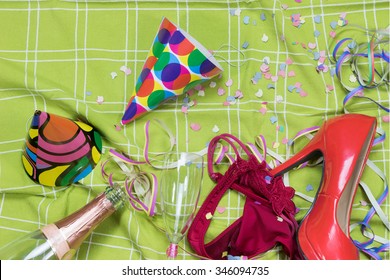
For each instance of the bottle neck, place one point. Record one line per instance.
(66, 235)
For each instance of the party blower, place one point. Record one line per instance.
(176, 63)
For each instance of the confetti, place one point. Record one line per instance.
(317, 33)
(229, 83)
(386, 118)
(316, 55)
(195, 126)
(226, 103)
(352, 78)
(352, 45)
(309, 188)
(88, 93)
(231, 99)
(279, 99)
(184, 109)
(285, 140)
(237, 12)
(100, 100)
(270, 86)
(280, 219)
(291, 74)
(284, 6)
(333, 24)
(317, 19)
(263, 110)
(291, 88)
(125, 70)
(246, 20)
(201, 93)
(275, 145)
(221, 209)
(312, 46)
(215, 129)
(267, 179)
(302, 93)
(256, 78)
(113, 75)
(263, 17)
(264, 68)
(267, 60)
(332, 34)
(245, 45)
(274, 78)
(220, 91)
(363, 203)
(209, 216)
(282, 66)
(289, 61)
(273, 119)
(238, 94)
(212, 84)
(259, 93)
(264, 38)
(117, 127)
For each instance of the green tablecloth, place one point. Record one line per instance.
(58, 56)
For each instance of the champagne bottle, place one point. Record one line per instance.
(60, 240)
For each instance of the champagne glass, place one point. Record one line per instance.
(181, 181)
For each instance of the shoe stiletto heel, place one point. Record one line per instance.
(345, 143)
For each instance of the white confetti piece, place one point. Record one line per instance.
(209, 216)
(215, 128)
(125, 70)
(352, 78)
(279, 219)
(201, 93)
(264, 38)
(113, 75)
(279, 98)
(213, 84)
(259, 93)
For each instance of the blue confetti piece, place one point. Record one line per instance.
(282, 66)
(317, 33)
(352, 45)
(273, 119)
(332, 72)
(88, 93)
(309, 188)
(267, 179)
(230, 99)
(186, 100)
(263, 17)
(246, 20)
(291, 88)
(316, 55)
(333, 24)
(245, 45)
(232, 12)
(269, 86)
(317, 19)
(297, 90)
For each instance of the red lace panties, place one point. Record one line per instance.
(268, 216)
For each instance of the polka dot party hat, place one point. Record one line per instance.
(59, 151)
(176, 63)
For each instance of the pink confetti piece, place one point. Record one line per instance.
(332, 34)
(263, 110)
(184, 109)
(221, 209)
(363, 203)
(238, 94)
(220, 91)
(264, 68)
(303, 93)
(117, 127)
(343, 15)
(100, 100)
(226, 103)
(282, 73)
(312, 46)
(125, 70)
(291, 74)
(274, 78)
(284, 6)
(190, 92)
(267, 76)
(289, 61)
(386, 118)
(285, 140)
(195, 126)
(298, 85)
(229, 83)
(199, 87)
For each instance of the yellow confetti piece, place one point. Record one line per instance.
(275, 145)
(209, 216)
(224, 254)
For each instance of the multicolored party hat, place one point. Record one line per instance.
(59, 151)
(176, 62)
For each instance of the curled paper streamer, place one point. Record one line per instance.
(59, 151)
(176, 63)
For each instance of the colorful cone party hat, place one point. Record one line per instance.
(60, 151)
(175, 63)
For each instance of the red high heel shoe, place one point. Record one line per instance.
(345, 143)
